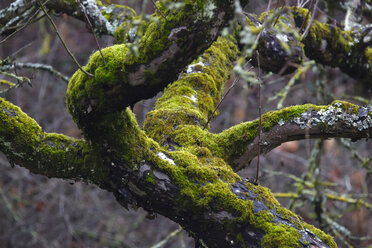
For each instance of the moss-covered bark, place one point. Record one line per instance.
(339, 119)
(55, 155)
(324, 43)
(173, 166)
(166, 47)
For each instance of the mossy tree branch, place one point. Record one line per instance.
(104, 18)
(327, 44)
(164, 50)
(173, 167)
(53, 155)
(339, 119)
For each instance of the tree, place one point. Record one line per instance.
(174, 166)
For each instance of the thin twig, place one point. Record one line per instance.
(307, 16)
(260, 116)
(311, 20)
(223, 97)
(36, 66)
(20, 50)
(166, 239)
(92, 30)
(22, 27)
(63, 42)
(161, 13)
(264, 23)
(277, 18)
(14, 21)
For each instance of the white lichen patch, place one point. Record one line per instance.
(333, 114)
(193, 98)
(281, 122)
(282, 37)
(101, 25)
(209, 9)
(165, 158)
(195, 68)
(132, 33)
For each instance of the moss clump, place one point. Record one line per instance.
(281, 236)
(85, 93)
(323, 236)
(150, 178)
(368, 54)
(160, 124)
(234, 141)
(54, 155)
(272, 118)
(346, 106)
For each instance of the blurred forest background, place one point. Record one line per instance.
(334, 182)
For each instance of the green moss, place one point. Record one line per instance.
(234, 141)
(264, 194)
(186, 104)
(323, 236)
(255, 30)
(200, 171)
(54, 155)
(82, 87)
(288, 215)
(6, 82)
(347, 107)
(272, 118)
(368, 54)
(281, 236)
(150, 178)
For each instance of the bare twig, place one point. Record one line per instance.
(23, 26)
(63, 42)
(277, 6)
(166, 239)
(35, 66)
(92, 30)
(311, 20)
(161, 13)
(259, 113)
(218, 105)
(264, 23)
(307, 16)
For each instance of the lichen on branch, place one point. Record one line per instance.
(166, 47)
(324, 43)
(54, 155)
(339, 119)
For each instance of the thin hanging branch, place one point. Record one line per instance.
(223, 97)
(36, 66)
(311, 20)
(24, 25)
(92, 30)
(260, 116)
(277, 7)
(307, 16)
(166, 239)
(264, 23)
(63, 42)
(161, 13)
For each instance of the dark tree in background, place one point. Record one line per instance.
(193, 60)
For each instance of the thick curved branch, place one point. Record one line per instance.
(53, 155)
(340, 119)
(327, 44)
(164, 50)
(187, 103)
(18, 12)
(200, 192)
(188, 181)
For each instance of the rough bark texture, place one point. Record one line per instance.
(173, 167)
